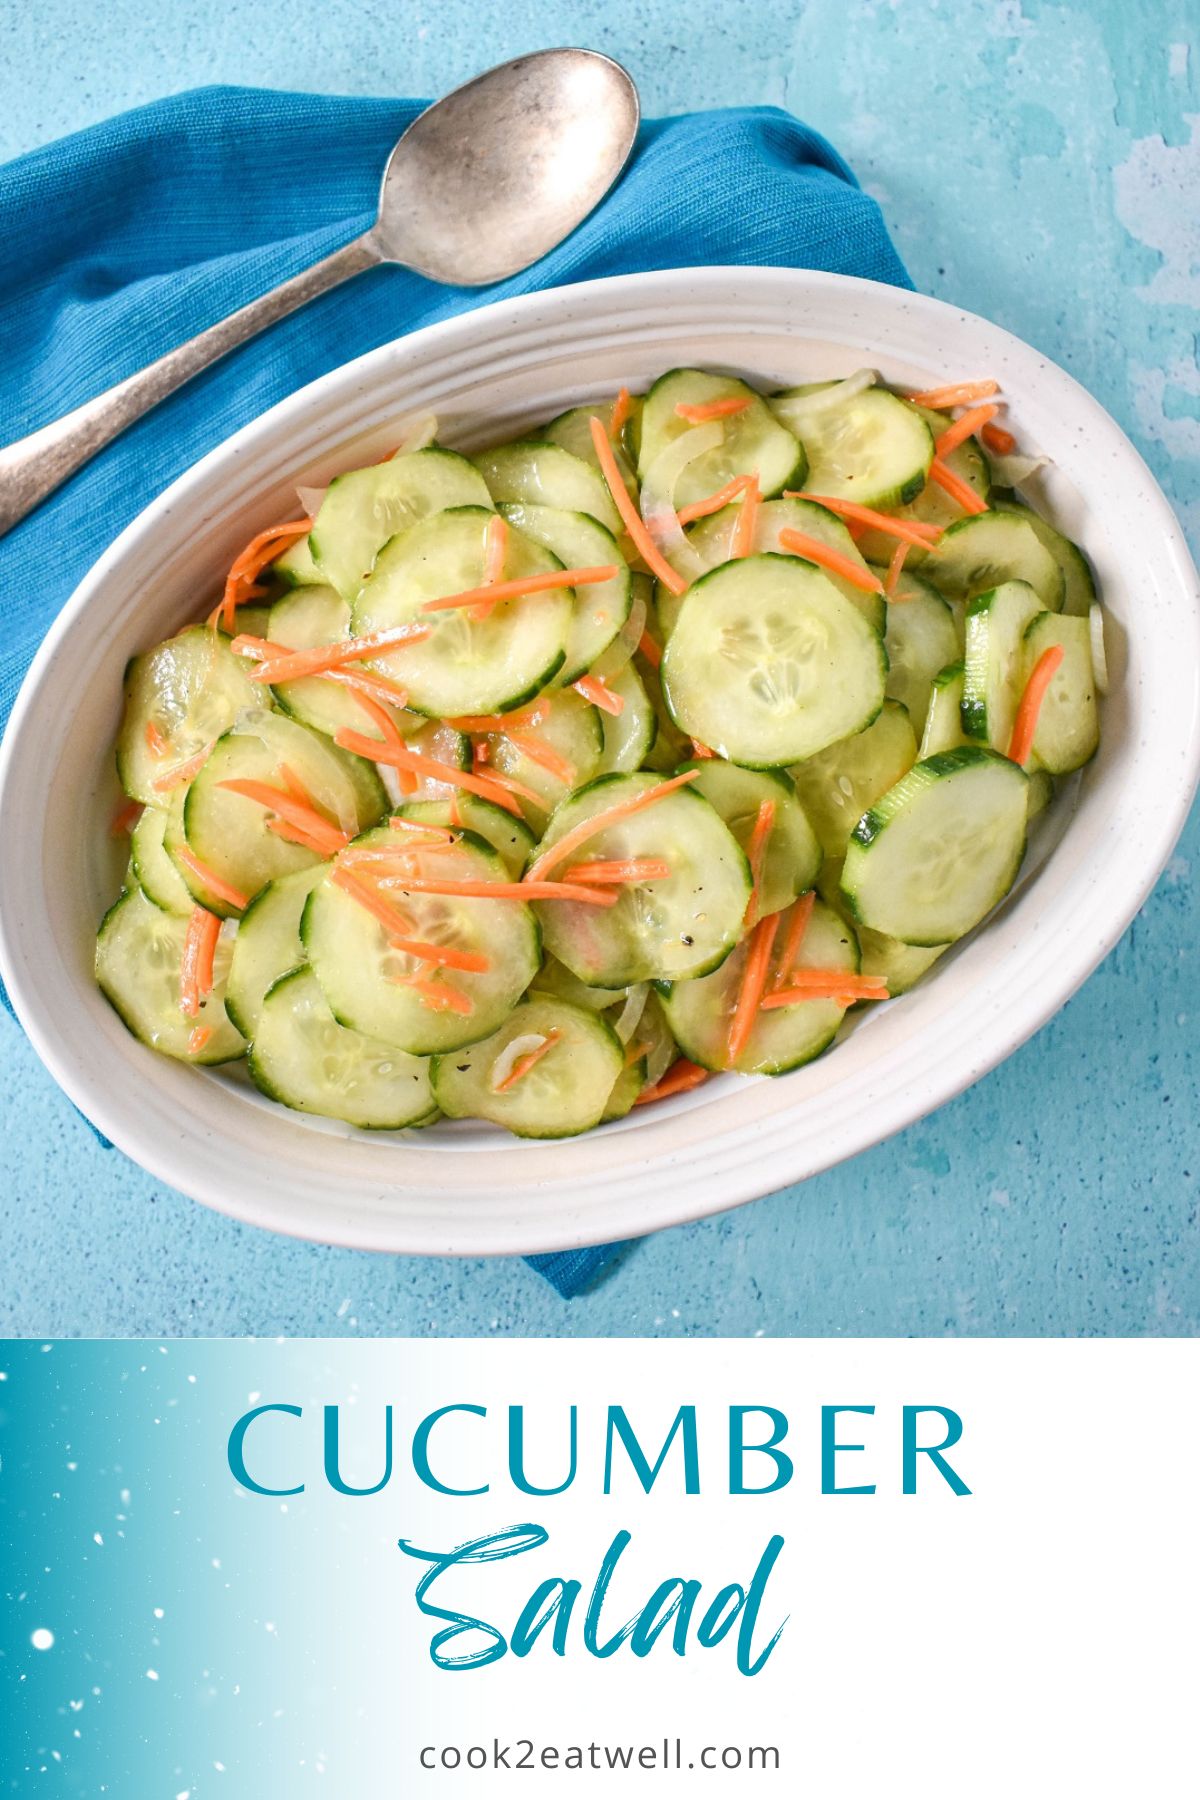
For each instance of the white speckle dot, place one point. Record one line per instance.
(97, 1539)
(41, 1639)
(216, 1562)
(151, 1674)
(219, 1767)
(158, 1612)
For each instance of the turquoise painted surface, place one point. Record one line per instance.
(1039, 164)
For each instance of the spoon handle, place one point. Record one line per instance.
(35, 465)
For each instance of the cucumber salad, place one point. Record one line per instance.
(537, 785)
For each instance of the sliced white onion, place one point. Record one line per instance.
(1099, 654)
(310, 499)
(797, 407)
(417, 434)
(511, 1054)
(631, 1012)
(1010, 471)
(614, 657)
(658, 495)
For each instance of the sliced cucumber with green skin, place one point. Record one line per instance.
(152, 867)
(139, 950)
(793, 854)
(940, 849)
(230, 834)
(565, 730)
(252, 621)
(671, 929)
(572, 431)
(535, 473)
(628, 735)
(302, 619)
(994, 661)
(302, 1057)
(363, 976)
(555, 978)
(932, 506)
(700, 1012)
(1067, 733)
(466, 665)
(564, 1093)
(1079, 584)
(297, 566)
(872, 448)
(365, 508)
(837, 786)
(768, 663)
(900, 965)
(1041, 792)
(188, 690)
(943, 720)
(669, 745)
(601, 609)
(267, 944)
(509, 837)
(754, 443)
(625, 1091)
(981, 552)
(921, 638)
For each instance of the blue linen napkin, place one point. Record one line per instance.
(127, 238)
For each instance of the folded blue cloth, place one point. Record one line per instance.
(126, 239)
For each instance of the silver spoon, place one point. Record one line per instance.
(480, 185)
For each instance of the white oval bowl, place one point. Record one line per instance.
(474, 1190)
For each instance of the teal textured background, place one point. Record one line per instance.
(1037, 164)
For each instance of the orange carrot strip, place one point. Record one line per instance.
(156, 743)
(705, 410)
(184, 771)
(323, 657)
(394, 921)
(439, 996)
(755, 853)
(505, 890)
(474, 722)
(199, 1038)
(700, 509)
(496, 591)
(544, 755)
(680, 1078)
(377, 713)
(592, 688)
(801, 544)
(196, 964)
(797, 930)
(650, 650)
(257, 648)
(635, 1053)
(125, 818)
(530, 1060)
(701, 752)
(495, 549)
(209, 933)
(250, 562)
(1025, 724)
(299, 813)
(292, 834)
(634, 868)
(956, 487)
(965, 426)
(612, 815)
(412, 762)
(826, 984)
(622, 407)
(754, 980)
(631, 518)
(380, 687)
(747, 519)
(995, 438)
(912, 529)
(959, 393)
(896, 568)
(439, 833)
(216, 884)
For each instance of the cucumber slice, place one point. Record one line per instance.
(363, 976)
(1067, 734)
(551, 748)
(555, 978)
(932, 506)
(302, 1057)
(900, 965)
(755, 442)
(625, 1091)
(700, 1012)
(669, 746)
(580, 543)
(365, 508)
(654, 1032)
(267, 945)
(1041, 792)
(564, 1093)
(872, 448)
(304, 618)
(151, 866)
(139, 950)
(921, 638)
(230, 833)
(188, 691)
(572, 431)
(532, 473)
(253, 620)
(1099, 652)
(509, 837)
(297, 567)
(838, 785)
(943, 721)
(466, 665)
(981, 552)
(1079, 584)
(628, 735)
(768, 663)
(940, 849)
(793, 853)
(671, 929)
(994, 662)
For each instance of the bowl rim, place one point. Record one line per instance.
(731, 1176)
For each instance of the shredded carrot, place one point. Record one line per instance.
(701, 752)
(323, 657)
(612, 815)
(184, 771)
(525, 715)
(622, 407)
(631, 518)
(495, 549)
(1025, 724)
(394, 923)
(199, 1038)
(545, 755)
(635, 1053)
(294, 834)
(996, 439)
(436, 833)
(956, 487)
(379, 687)
(747, 519)
(528, 585)
(257, 648)
(377, 713)
(842, 985)
(456, 817)
(439, 996)
(506, 784)
(302, 815)
(797, 930)
(156, 743)
(530, 1060)
(700, 509)
(216, 884)
(965, 426)
(756, 851)
(750, 993)
(196, 964)
(680, 1078)
(592, 688)
(633, 868)
(705, 410)
(959, 393)
(650, 650)
(505, 890)
(412, 762)
(125, 818)
(896, 568)
(911, 529)
(250, 562)
(800, 544)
